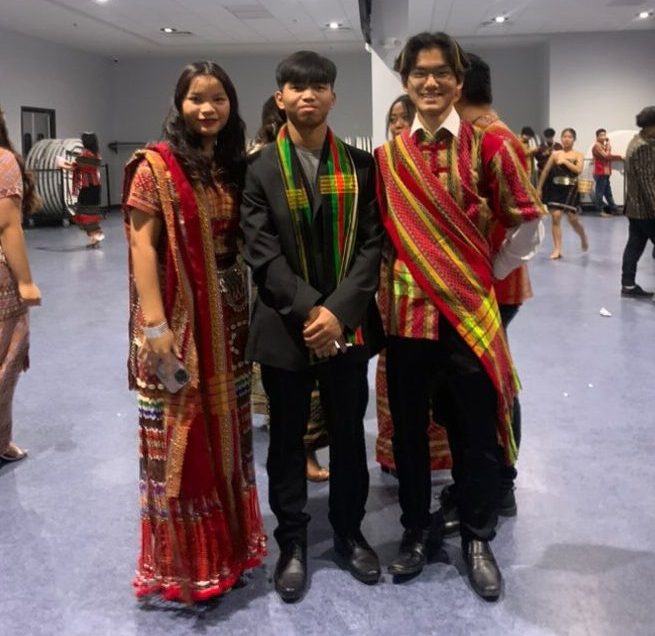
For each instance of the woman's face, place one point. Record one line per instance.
(206, 106)
(567, 140)
(398, 119)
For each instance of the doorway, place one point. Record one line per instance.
(36, 124)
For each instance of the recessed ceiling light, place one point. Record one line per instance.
(334, 25)
(642, 15)
(500, 19)
(101, 1)
(168, 30)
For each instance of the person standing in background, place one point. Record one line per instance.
(545, 149)
(558, 189)
(640, 201)
(86, 187)
(18, 291)
(603, 157)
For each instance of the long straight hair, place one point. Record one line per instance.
(229, 150)
(31, 200)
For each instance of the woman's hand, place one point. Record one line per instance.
(559, 157)
(159, 351)
(30, 294)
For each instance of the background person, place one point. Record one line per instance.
(561, 173)
(640, 201)
(17, 289)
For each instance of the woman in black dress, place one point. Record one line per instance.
(561, 196)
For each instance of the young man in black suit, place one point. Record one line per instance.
(313, 239)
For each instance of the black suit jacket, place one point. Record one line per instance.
(284, 298)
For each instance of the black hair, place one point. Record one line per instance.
(31, 200)
(572, 131)
(476, 89)
(408, 105)
(305, 68)
(229, 151)
(549, 132)
(600, 130)
(527, 130)
(646, 117)
(90, 142)
(449, 47)
(272, 120)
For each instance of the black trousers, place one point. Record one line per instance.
(343, 386)
(417, 369)
(639, 231)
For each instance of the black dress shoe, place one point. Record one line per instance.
(635, 291)
(360, 558)
(291, 573)
(482, 569)
(412, 553)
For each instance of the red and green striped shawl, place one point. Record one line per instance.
(436, 237)
(339, 190)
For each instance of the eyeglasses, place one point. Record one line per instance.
(439, 74)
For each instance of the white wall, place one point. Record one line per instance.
(386, 86)
(600, 80)
(43, 75)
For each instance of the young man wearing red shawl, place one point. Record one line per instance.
(474, 106)
(313, 239)
(441, 186)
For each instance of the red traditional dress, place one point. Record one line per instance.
(201, 525)
(86, 187)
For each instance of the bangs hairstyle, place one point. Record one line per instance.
(476, 89)
(408, 105)
(449, 47)
(229, 150)
(305, 68)
(31, 201)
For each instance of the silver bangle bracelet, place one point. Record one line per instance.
(155, 332)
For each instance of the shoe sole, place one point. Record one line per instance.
(290, 598)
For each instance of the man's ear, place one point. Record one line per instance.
(279, 102)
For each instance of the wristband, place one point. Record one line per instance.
(155, 332)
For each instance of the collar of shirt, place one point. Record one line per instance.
(451, 124)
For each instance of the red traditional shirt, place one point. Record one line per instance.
(405, 307)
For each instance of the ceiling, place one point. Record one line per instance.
(131, 28)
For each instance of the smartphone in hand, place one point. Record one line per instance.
(175, 380)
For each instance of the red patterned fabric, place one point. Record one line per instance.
(440, 234)
(200, 522)
(515, 288)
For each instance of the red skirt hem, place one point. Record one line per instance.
(174, 592)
